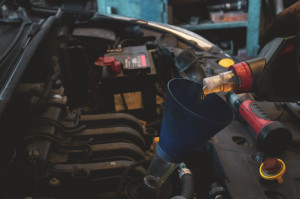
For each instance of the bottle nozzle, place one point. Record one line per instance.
(222, 82)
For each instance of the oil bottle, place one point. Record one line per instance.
(239, 78)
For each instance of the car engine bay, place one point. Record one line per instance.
(85, 117)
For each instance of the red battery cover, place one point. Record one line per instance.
(115, 65)
(256, 122)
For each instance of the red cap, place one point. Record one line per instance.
(115, 66)
(242, 70)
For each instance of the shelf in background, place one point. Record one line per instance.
(211, 26)
(178, 2)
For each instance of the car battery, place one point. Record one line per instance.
(133, 59)
(137, 79)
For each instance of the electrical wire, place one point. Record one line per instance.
(39, 107)
(129, 42)
(56, 140)
(59, 125)
(124, 102)
(77, 117)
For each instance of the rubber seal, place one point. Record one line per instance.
(274, 138)
(243, 71)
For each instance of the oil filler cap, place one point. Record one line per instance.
(272, 169)
(226, 62)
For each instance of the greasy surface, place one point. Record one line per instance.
(235, 148)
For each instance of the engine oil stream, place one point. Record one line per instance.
(223, 82)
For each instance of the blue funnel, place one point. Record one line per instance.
(189, 122)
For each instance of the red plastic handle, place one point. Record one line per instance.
(255, 117)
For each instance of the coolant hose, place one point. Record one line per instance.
(187, 184)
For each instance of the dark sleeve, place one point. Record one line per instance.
(285, 24)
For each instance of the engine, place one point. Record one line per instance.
(85, 117)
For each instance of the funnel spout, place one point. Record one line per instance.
(158, 172)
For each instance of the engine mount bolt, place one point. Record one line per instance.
(54, 182)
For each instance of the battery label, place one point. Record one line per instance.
(135, 62)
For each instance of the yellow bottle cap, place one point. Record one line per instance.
(273, 176)
(226, 62)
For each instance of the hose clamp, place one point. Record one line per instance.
(184, 171)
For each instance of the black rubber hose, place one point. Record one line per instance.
(124, 102)
(187, 184)
(48, 86)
